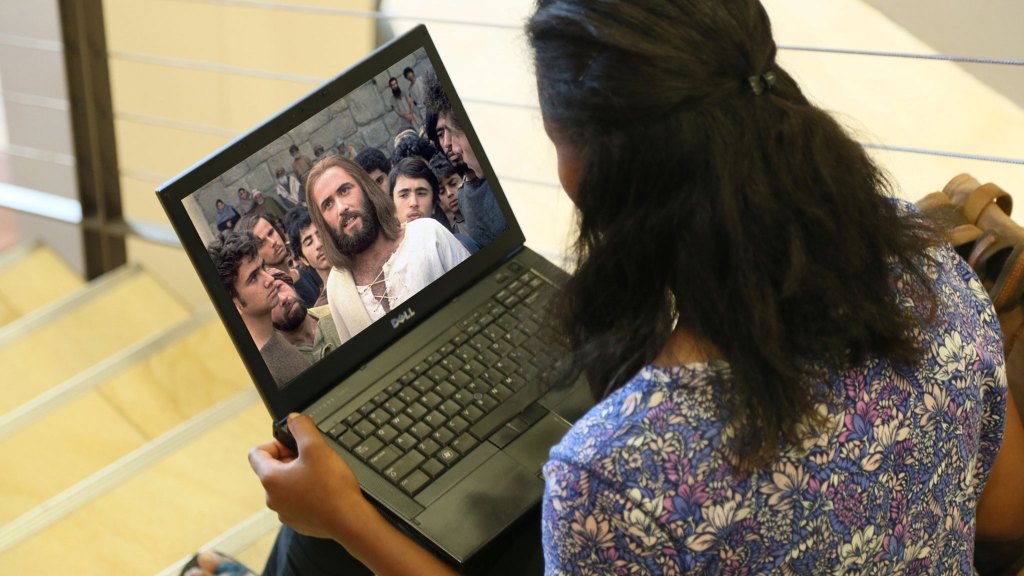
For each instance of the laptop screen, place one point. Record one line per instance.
(330, 230)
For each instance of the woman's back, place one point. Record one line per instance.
(888, 484)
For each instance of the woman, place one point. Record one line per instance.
(795, 375)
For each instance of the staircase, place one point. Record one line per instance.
(125, 422)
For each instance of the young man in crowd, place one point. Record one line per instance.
(377, 263)
(376, 164)
(417, 91)
(273, 248)
(305, 242)
(449, 182)
(255, 292)
(484, 219)
(413, 188)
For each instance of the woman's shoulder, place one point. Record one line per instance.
(656, 403)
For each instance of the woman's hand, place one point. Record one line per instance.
(316, 492)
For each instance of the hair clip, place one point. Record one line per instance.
(761, 83)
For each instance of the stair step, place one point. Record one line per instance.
(87, 424)
(138, 516)
(32, 276)
(51, 345)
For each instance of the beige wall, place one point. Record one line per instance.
(187, 77)
(988, 29)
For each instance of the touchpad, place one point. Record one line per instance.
(481, 506)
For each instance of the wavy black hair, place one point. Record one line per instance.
(714, 195)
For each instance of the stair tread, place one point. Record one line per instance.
(36, 279)
(121, 315)
(147, 522)
(139, 404)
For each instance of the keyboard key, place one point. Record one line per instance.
(488, 358)
(403, 466)
(445, 389)
(442, 436)
(401, 422)
(379, 417)
(353, 419)
(450, 408)
(504, 436)
(438, 373)
(350, 440)
(420, 430)
(458, 424)
(464, 443)
(414, 482)
(472, 413)
(393, 388)
(368, 448)
(462, 397)
(447, 456)
(408, 377)
(465, 353)
(422, 384)
(506, 366)
(486, 403)
(434, 419)
(416, 411)
(364, 428)
(432, 468)
(384, 458)
(367, 408)
(451, 363)
(501, 392)
(460, 379)
(408, 395)
(394, 406)
(428, 447)
(431, 399)
(387, 434)
(493, 377)
(432, 359)
(406, 442)
(380, 398)
(474, 368)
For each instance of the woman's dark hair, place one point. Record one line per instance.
(712, 193)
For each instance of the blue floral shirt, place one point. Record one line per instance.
(642, 484)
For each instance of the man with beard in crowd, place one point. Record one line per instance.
(255, 292)
(484, 219)
(402, 105)
(377, 263)
(310, 330)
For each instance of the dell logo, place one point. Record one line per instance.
(398, 320)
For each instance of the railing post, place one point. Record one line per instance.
(92, 122)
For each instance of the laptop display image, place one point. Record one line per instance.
(412, 328)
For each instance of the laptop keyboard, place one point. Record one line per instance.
(480, 385)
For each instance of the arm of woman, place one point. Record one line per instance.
(317, 494)
(1000, 514)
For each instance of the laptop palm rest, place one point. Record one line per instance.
(481, 506)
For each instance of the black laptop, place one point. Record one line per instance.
(443, 406)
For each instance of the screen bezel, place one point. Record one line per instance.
(363, 346)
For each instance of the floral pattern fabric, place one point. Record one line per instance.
(643, 485)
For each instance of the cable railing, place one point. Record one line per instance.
(63, 209)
